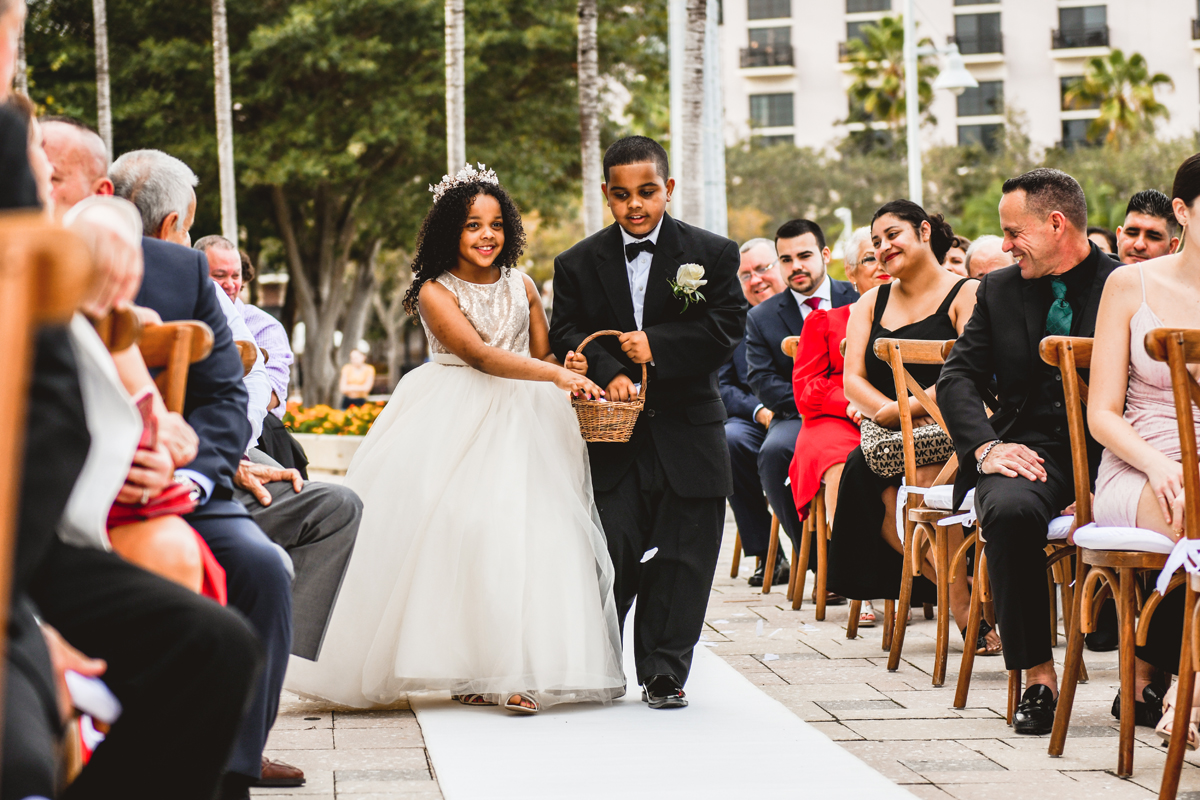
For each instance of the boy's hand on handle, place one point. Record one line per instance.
(621, 388)
(577, 363)
(637, 347)
(577, 385)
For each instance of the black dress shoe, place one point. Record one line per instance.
(1035, 713)
(663, 691)
(782, 572)
(1146, 713)
(1106, 637)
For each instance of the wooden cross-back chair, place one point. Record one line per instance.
(249, 354)
(173, 347)
(120, 330)
(1099, 574)
(44, 271)
(1178, 348)
(789, 345)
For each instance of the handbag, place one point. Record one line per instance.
(884, 447)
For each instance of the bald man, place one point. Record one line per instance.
(80, 162)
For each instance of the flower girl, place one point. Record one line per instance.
(480, 566)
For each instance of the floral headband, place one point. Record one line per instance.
(467, 174)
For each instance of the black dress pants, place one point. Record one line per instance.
(747, 501)
(664, 550)
(31, 723)
(774, 459)
(182, 666)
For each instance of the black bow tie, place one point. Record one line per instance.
(632, 250)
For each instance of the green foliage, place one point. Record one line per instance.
(877, 73)
(1124, 91)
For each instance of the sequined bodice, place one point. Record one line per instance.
(498, 311)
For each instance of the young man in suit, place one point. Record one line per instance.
(1019, 460)
(748, 418)
(661, 495)
(803, 264)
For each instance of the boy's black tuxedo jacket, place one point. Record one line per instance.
(684, 416)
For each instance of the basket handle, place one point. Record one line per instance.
(588, 340)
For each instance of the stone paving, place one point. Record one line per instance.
(896, 722)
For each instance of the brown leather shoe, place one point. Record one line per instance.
(277, 773)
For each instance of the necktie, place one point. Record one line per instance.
(1058, 321)
(632, 250)
(813, 303)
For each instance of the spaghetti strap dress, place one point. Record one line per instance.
(862, 566)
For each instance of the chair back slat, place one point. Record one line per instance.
(249, 354)
(789, 345)
(120, 330)
(1178, 348)
(896, 353)
(1071, 354)
(173, 347)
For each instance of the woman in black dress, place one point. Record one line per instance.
(923, 301)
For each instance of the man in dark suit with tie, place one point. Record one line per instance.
(748, 417)
(803, 264)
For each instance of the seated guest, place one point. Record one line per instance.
(1019, 460)
(79, 162)
(803, 262)
(748, 419)
(923, 301)
(830, 428)
(1150, 229)
(1103, 238)
(986, 254)
(357, 381)
(956, 256)
(1131, 410)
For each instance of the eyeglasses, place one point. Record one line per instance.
(745, 277)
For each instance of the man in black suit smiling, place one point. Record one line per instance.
(803, 263)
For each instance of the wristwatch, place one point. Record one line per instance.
(193, 489)
(986, 452)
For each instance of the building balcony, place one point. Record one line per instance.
(1196, 30)
(985, 44)
(1078, 39)
(759, 57)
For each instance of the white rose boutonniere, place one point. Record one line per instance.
(686, 285)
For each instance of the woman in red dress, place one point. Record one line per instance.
(830, 429)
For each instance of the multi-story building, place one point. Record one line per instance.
(785, 73)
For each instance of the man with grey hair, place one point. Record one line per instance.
(163, 189)
(79, 160)
(986, 254)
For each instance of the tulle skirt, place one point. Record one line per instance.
(480, 565)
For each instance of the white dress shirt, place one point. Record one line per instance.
(639, 270)
(822, 292)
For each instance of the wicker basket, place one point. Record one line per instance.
(608, 421)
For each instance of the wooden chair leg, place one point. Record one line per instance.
(801, 565)
(1014, 693)
(941, 550)
(928, 609)
(805, 532)
(1071, 669)
(772, 554)
(974, 620)
(1053, 609)
(737, 554)
(902, 607)
(1183, 704)
(889, 623)
(821, 534)
(852, 623)
(795, 577)
(1128, 644)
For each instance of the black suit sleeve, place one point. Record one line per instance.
(216, 397)
(565, 334)
(738, 401)
(701, 345)
(772, 390)
(964, 382)
(17, 187)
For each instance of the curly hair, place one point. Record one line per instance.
(437, 243)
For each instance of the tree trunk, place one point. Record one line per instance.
(103, 95)
(224, 106)
(690, 170)
(589, 118)
(456, 137)
(358, 312)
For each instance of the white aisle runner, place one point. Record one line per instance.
(733, 741)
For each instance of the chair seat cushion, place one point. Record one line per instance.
(943, 497)
(1140, 540)
(1059, 528)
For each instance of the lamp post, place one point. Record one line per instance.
(955, 77)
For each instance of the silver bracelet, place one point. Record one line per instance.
(986, 451)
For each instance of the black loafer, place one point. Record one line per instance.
(663, 691)
(1146, 713)
(1035, 713)
(782, 572)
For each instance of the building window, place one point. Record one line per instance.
(861, 6)
(1075, 133)
(769, 47)
(769, 9)
(986, 100)
(1079, 105)
(854, 30)
(1085, 26)
(772, 141)
(771, 110)
(989, 137)
(978, 33)
(975, 2)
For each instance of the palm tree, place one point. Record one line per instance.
(1124, 90)
(224, 102)
(690, 166)
(103, 94)
(877, 69)
(589, 117)
(456, 136)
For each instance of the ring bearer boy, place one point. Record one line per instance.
(673, 290)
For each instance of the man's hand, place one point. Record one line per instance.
(637, 347)
(764, 417)
(621, 388)
(178, 437)
(251, 477)
(63, 657)
(273, 403)
(152, 471)
(577, 363)
(1012, 460)
(118, 263)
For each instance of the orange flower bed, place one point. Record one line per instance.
(354, 421)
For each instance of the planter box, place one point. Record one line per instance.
(329, 453)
